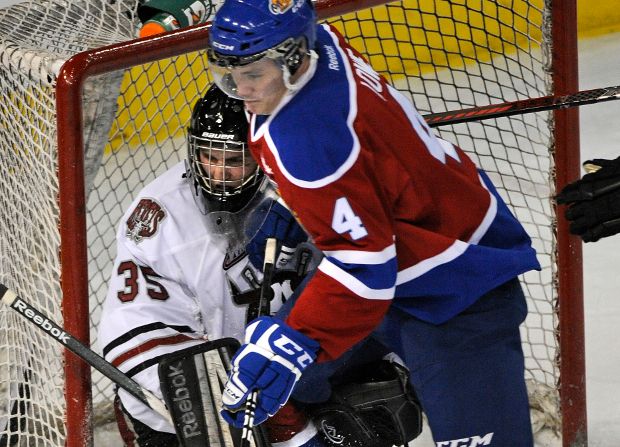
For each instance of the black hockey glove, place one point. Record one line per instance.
(374, 407)
(594, 201)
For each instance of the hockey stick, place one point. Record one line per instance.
(523, 106)
(40, 320)
(263, 309)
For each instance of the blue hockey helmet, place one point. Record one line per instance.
(243, 31)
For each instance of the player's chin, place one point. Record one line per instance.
(257, 107)
(252, 106)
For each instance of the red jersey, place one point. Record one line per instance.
(403, 217)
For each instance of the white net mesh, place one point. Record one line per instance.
(446, 55)
(35, 39)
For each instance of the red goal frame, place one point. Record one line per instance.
(72, 204)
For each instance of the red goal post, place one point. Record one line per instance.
(562, 251)
(571, 330)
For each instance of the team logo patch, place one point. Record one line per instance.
(144, 220)
(280, 6)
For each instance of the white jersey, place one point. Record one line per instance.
(170, 287)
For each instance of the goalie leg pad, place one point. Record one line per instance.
(374, 408)
(191, 382)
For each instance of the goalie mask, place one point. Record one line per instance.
(226, 178)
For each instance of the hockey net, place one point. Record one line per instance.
(445, 54)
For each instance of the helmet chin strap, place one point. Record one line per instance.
(304, 78)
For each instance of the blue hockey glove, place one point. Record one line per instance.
(278, 223)
(271, 361)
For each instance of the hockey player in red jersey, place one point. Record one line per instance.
(420, 249)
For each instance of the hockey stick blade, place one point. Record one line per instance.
(523, 106)
(44, 323)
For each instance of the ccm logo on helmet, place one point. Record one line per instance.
(222, 46)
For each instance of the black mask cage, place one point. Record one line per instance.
(218, 157)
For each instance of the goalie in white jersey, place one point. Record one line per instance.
(181, 259)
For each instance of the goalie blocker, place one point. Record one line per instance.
(373, 407)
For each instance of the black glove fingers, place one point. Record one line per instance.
(570, 193)
(605, 186)
(578, 210)
(579, 226)
(603, 230)
(595, 219)
(587, 215)
(594, 201)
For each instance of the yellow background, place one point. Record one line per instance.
(422, 36)
(596, 17)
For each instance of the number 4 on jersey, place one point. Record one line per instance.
(346, 221)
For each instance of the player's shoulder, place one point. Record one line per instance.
(160, 208)
(170, 183)
(316, 153)
(313, 136)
